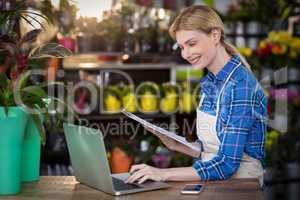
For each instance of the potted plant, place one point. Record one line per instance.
(148, 97)
(129, 99)
(121, 157)
(112, 99)
(21, 102)
(11, 139)
(280, 49)
(186, 104)
(162, 157)
(112, 32)
(169, 100)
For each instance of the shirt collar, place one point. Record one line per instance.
(225, 71)
(228, 67)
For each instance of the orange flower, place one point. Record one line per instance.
(278, 49)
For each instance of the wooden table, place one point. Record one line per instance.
(66, 188)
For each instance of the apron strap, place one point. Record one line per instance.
(201, 101)
(222, 89)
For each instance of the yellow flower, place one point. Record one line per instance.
(129, 102)
(271, 138)
(280, 37)
(186, 102)
(247, 52)
(149, 102)
(112, 104)
(169, 102)
(295, 45)
(262, 44)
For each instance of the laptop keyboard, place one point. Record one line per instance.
(121, 185)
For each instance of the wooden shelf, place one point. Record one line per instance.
(95, 117)
(247, 35)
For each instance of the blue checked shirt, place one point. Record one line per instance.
(241, 124)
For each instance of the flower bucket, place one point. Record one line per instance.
(120, 162)
(30, 165)
(11, 139)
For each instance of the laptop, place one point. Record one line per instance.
(91, 167)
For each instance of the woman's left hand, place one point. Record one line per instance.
(145, 172)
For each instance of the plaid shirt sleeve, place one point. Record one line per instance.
(234, 128)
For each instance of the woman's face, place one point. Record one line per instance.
(197, 47)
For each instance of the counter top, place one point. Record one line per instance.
(66, 187)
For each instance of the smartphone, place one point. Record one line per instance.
(192, 189)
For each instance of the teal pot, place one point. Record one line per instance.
(11, 139)
(30, 165)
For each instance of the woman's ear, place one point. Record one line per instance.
(216, 35)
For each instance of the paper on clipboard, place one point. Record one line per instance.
(158, 129)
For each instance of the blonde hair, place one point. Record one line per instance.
(205, 19)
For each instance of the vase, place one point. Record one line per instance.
(120, 162)
(31, 152)
(68, 42)
(11, 140)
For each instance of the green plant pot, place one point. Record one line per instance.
(11, 139)
(30, 165)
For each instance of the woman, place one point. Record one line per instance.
(231, 115)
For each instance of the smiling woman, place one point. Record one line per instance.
(231, 116)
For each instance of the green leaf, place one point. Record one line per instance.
(6, 94)
(39, 125)
(22, 82)
(34, 19)
(6, 110)
(286, 13)
(49, 50)
(8, 16)
(3, 81)
(34, 13)
(35, 90)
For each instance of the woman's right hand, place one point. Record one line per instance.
(174, 145)
(170, 143)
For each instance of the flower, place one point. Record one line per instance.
(282, 37)
(264, 49)
(279, 49)
(272, 137)
(295, 47)
(247, 52)
(20, 49)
